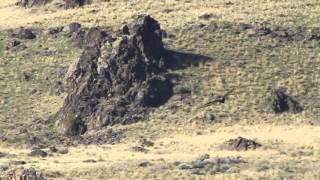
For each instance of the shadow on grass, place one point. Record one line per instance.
(180, 60)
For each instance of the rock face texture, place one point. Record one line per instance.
(116, 82)
(31, 3)
(281, 102)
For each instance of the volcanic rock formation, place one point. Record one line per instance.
(116, 82)
(281, 102)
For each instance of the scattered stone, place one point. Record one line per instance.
(31, 3)
(244, 26)
(17, 162)
(12, 43)
(185, 166)
(263, 31)
(206, 16)
(209, 117)
(116, 84)
(90, 161)
(143, 163)
(72, 27)
(139, 149)
(241, 143)
(33, 91)
(63, 151)
(24, 33)
(259, 32)
(38, 153)
(167, 11)
(144, 142)
(176, 163)
(199, 132)
(25, 76)
(203, 157)
(54, 30)
(53, 149)
(281, 102)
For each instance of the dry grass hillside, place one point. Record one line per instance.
(244, 62)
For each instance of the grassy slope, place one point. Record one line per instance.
(242, 115)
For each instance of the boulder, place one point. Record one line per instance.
(24, 33)
(281, 102)
(116, 82)
(72, 27)
(54, 30)
(38, 153)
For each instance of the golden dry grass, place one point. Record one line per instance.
(181, 147)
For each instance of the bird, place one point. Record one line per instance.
(217, 99)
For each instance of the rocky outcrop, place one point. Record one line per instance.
(95, 36)
(116, 82)
(281, 102)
